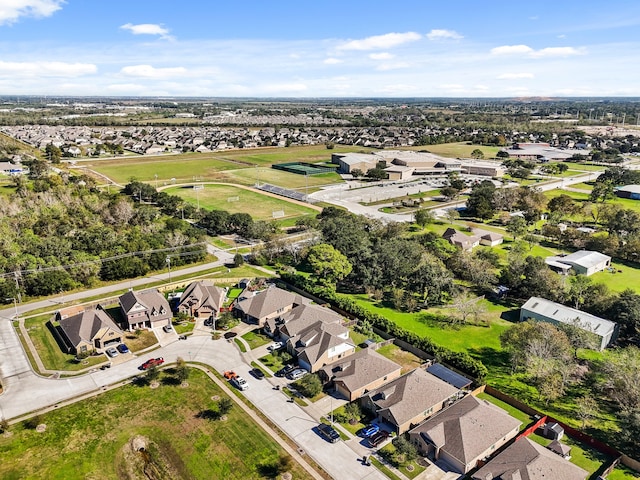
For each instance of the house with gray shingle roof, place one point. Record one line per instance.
(299, 318)
(320, 344)
(526, 460)
(408, 400)
(464, 433)
(88, 331)
(360, 373)
(146, 309)
(266, 304)
(202, 299)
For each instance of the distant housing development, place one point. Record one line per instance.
(544, 310)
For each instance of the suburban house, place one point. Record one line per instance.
(360, 373)
(583, 262)
(320, 344)
(299, 318)
(465, 433)
(527, 460)
(266, 304)
(460, 240)
(88, 331)
(544, 310)
(409, 399)
(490, 239)
(146, 309)
(202, 299)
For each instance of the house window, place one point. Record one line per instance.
(83, 348)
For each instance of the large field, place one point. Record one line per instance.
(458, 150)
(92, 439)
(261, 207)
(208, 166)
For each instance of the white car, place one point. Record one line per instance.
(275, 346)
(112, 352)
(240, 383)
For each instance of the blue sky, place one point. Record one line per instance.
(348, 48)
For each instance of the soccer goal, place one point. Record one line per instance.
(233, 199)
(277, 214)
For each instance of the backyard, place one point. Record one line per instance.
(180, 441)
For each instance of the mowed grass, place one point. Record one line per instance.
(90, 439)
(458, 150)
(251, 176)
(271, 155)
(259, 206)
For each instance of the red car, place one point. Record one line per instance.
(152, 362)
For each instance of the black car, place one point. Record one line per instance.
(257, 373)
(328, 433)
(377, 439)
(208, 322)
(285, 370)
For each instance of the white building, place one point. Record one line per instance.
(544, 310)
(584, 262)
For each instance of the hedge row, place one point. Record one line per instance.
(460, 360)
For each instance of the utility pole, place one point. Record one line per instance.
(168, 260)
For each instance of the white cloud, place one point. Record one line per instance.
(332, 61)
(126, 88)
(12, 10)
(47, 69)
(381, 56)
(439, 34)
(392, 66)
(557, 52)
(147, 29)
(149, 71)
(511, 50)
(514, 76)
(387, 40)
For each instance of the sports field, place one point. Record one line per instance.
(458, 150)
(223, 197)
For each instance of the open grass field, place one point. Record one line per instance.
(259, 206)
(457, 150)
(251, 176)
(584, 197)
(92, 438)
(271, 155)
(256, 339)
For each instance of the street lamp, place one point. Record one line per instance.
(15, 305)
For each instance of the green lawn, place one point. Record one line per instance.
(256, 339)
(251, 176)
(625, 276)
(92, 438)
(514, 412)
(259, 206)
(585, 167)
(458, 150)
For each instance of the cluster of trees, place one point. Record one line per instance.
(56, 230)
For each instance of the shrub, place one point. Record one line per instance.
(309, 385)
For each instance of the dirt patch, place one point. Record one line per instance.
(215, 398)
(41, 428)
(154, 384)
(142, 459)
(184, 384)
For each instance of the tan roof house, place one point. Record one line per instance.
(408, 400)
(490, 239)
(460, 240)
(266, 304)
(360, 373)
(526, 460)
(202, 299)
(88, 331)
(146, 309)
(320, 344)
(299, 318)
(464, 433)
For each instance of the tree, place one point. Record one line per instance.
(517, 226)
(452, 214)
(602, 191)
(357, 173)
(309, 385)
(477, 153)
(449, 193)
(377, 174)
(423, 217)
(465, 305)
(586, 409)
(626, 311)
(182, 370)
(152, 373)
(329, 265)
(578, 286)
(224, 406)
(406, 451)
(238, 260)
(621, 377)
(563, 204)
(480, 203)
(53, 153)
(502, 154)
(579, 335)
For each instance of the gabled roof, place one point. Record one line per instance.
(585, 258)
(303, 316)
(360, 369)
(487, 235)
(203, 293)
(411, 394)
(564, 314)
(457, 238)
(151, 300)
(84, 326)
(526, 460)
(312, 343)
(267, 302)
(467, 428)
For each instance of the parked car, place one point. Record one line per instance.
(275, 346)
(377, 438)
(152, 362)
(328, 433)
(240, 382)
(122, 348)
(167, 328)
(256, 372)
(285, 370)
(112, 352)
(296, 374)
(229, 374)
(208, 322)
(369, 430)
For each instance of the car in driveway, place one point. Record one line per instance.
(239, 382)
(152, 362)
(167, 328)
(112, 352)
(275, 346)
(257, 373)
(285, 370)
(328, 433)
(229, 374)
(296, 374)
(208, 322)
(377, 438)
(369, 431)
(122, 348)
